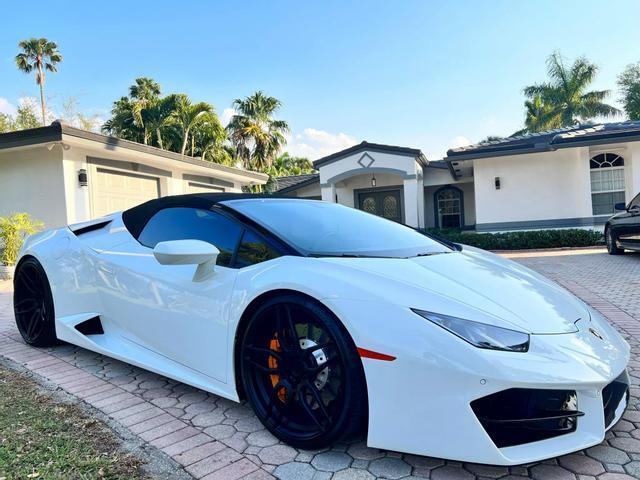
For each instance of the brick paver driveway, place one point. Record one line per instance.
(215, 438)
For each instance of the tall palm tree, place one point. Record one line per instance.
(564, 99)
(255, 134)
(144, 93)
(187, 115)
(41, 55)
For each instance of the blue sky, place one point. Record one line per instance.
(424, 74)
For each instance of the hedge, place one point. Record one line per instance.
(522, 240)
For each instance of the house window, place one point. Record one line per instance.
(607, 182)
(449, 207)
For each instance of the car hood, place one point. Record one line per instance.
(480, 286)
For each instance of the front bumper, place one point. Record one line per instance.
(421, 402)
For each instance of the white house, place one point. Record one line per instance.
(562, 178)
(63, 175)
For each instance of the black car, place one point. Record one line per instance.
(622, 231)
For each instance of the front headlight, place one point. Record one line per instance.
(480, 335)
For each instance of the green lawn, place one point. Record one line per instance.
(45, 439)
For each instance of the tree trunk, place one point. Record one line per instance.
(159, 138)
(41, 77)
(184, 141)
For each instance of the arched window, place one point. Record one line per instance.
(448, 202)
(607, 182)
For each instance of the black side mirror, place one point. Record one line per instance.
(620, 206)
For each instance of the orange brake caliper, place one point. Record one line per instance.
(274, 345)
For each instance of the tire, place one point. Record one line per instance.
(33, 304)
(610, 240)
(302, 374)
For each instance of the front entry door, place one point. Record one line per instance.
(384, 203)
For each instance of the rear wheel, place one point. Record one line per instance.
(612, 246)
(33, 304)
(302, 374)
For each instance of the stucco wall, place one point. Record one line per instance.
(32, 181)
(541, 186)
(308, 191)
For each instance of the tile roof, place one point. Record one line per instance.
(580, 135)
(293, 182)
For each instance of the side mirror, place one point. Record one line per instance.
(188, 252)
(620, 206)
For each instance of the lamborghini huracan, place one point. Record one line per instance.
(331, 322)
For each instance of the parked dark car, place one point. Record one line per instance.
(622, 231)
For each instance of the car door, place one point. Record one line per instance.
(160, 307)
(626, 227)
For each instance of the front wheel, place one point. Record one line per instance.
(302, 374)
(612, 246)
(33, 304)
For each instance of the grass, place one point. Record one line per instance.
(43, 438)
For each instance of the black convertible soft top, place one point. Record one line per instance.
(137, 217)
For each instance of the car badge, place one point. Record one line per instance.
(596, 334)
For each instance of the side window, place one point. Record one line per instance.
(252, 250)
(635, 202)
(193, 224)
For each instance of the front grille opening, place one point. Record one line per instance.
(612, 394)
(521, 415)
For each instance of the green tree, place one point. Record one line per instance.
(255, 134)
(6, 123)
(41, 55)
(144, 95)
(188, 115)
(208, 139)
(629, 84)
(27, 114)
(564, 100)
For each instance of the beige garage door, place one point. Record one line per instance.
(200, 188)
(113, 191)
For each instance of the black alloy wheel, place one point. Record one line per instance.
(302, 374)
(612, 246)
(33, 304)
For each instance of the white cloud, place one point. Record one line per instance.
(314, 144)
(460, 141)
(227, 113)
(7, 107)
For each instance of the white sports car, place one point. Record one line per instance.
(329, 320)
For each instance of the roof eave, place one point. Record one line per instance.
(55, 132)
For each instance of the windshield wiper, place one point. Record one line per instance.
(428, 254)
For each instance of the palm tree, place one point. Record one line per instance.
(187, 115)
(207, 139)
(144, 93)
(255, 134)
(38, 54)
(564, 101)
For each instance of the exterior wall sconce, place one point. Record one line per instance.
(373, 180)
(82, 177)
(497, 183)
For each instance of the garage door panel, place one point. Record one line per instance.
(113, 191)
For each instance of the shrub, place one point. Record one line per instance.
(13, 230)
(522, 240)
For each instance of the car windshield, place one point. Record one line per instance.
(327, 229)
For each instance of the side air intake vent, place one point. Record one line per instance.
(81, 229)
(93, 326)
(612, 395)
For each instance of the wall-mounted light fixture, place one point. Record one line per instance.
(497, 183)
(373, 180)
(82, 177)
